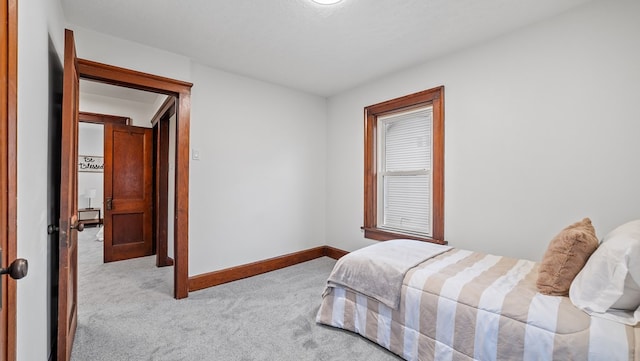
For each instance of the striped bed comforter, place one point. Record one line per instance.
(463, 305)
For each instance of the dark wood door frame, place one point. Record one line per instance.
(160, 122)
(95, 118)
(182, 92)
(8, 170)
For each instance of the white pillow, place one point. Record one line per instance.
(630, 299)
(607, 286)
(630, 229)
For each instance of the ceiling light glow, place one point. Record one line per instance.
(326, 2)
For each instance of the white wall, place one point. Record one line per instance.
(541, 130)
(140, 113)
(37, 20)
(91, 142)
(258, 189)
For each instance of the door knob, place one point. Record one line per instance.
(17, 270)
(78, 226)
(109, 203)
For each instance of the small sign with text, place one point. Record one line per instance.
(90, 163)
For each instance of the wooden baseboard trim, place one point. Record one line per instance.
(211, 279)
(334, 253)
(167, 262)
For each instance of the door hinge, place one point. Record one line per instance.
(52, 228)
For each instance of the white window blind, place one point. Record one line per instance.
(404, 177)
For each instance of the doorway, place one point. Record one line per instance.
(117, 152)
(182, 92)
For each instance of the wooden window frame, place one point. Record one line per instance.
(435, 98)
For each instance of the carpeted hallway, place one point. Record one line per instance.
(127, 312)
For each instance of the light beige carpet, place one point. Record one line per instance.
(127, 312)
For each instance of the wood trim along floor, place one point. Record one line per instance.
(211, 279)
(334, 253)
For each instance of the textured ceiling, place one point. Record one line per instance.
(319, 49)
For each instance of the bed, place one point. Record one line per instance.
(430, 302)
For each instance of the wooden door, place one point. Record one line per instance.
(128, 191)
(68, 226)
(8, 172)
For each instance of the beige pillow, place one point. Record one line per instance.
(566, 255)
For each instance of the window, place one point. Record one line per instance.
(404, 168)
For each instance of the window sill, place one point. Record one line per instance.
(383, 235)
